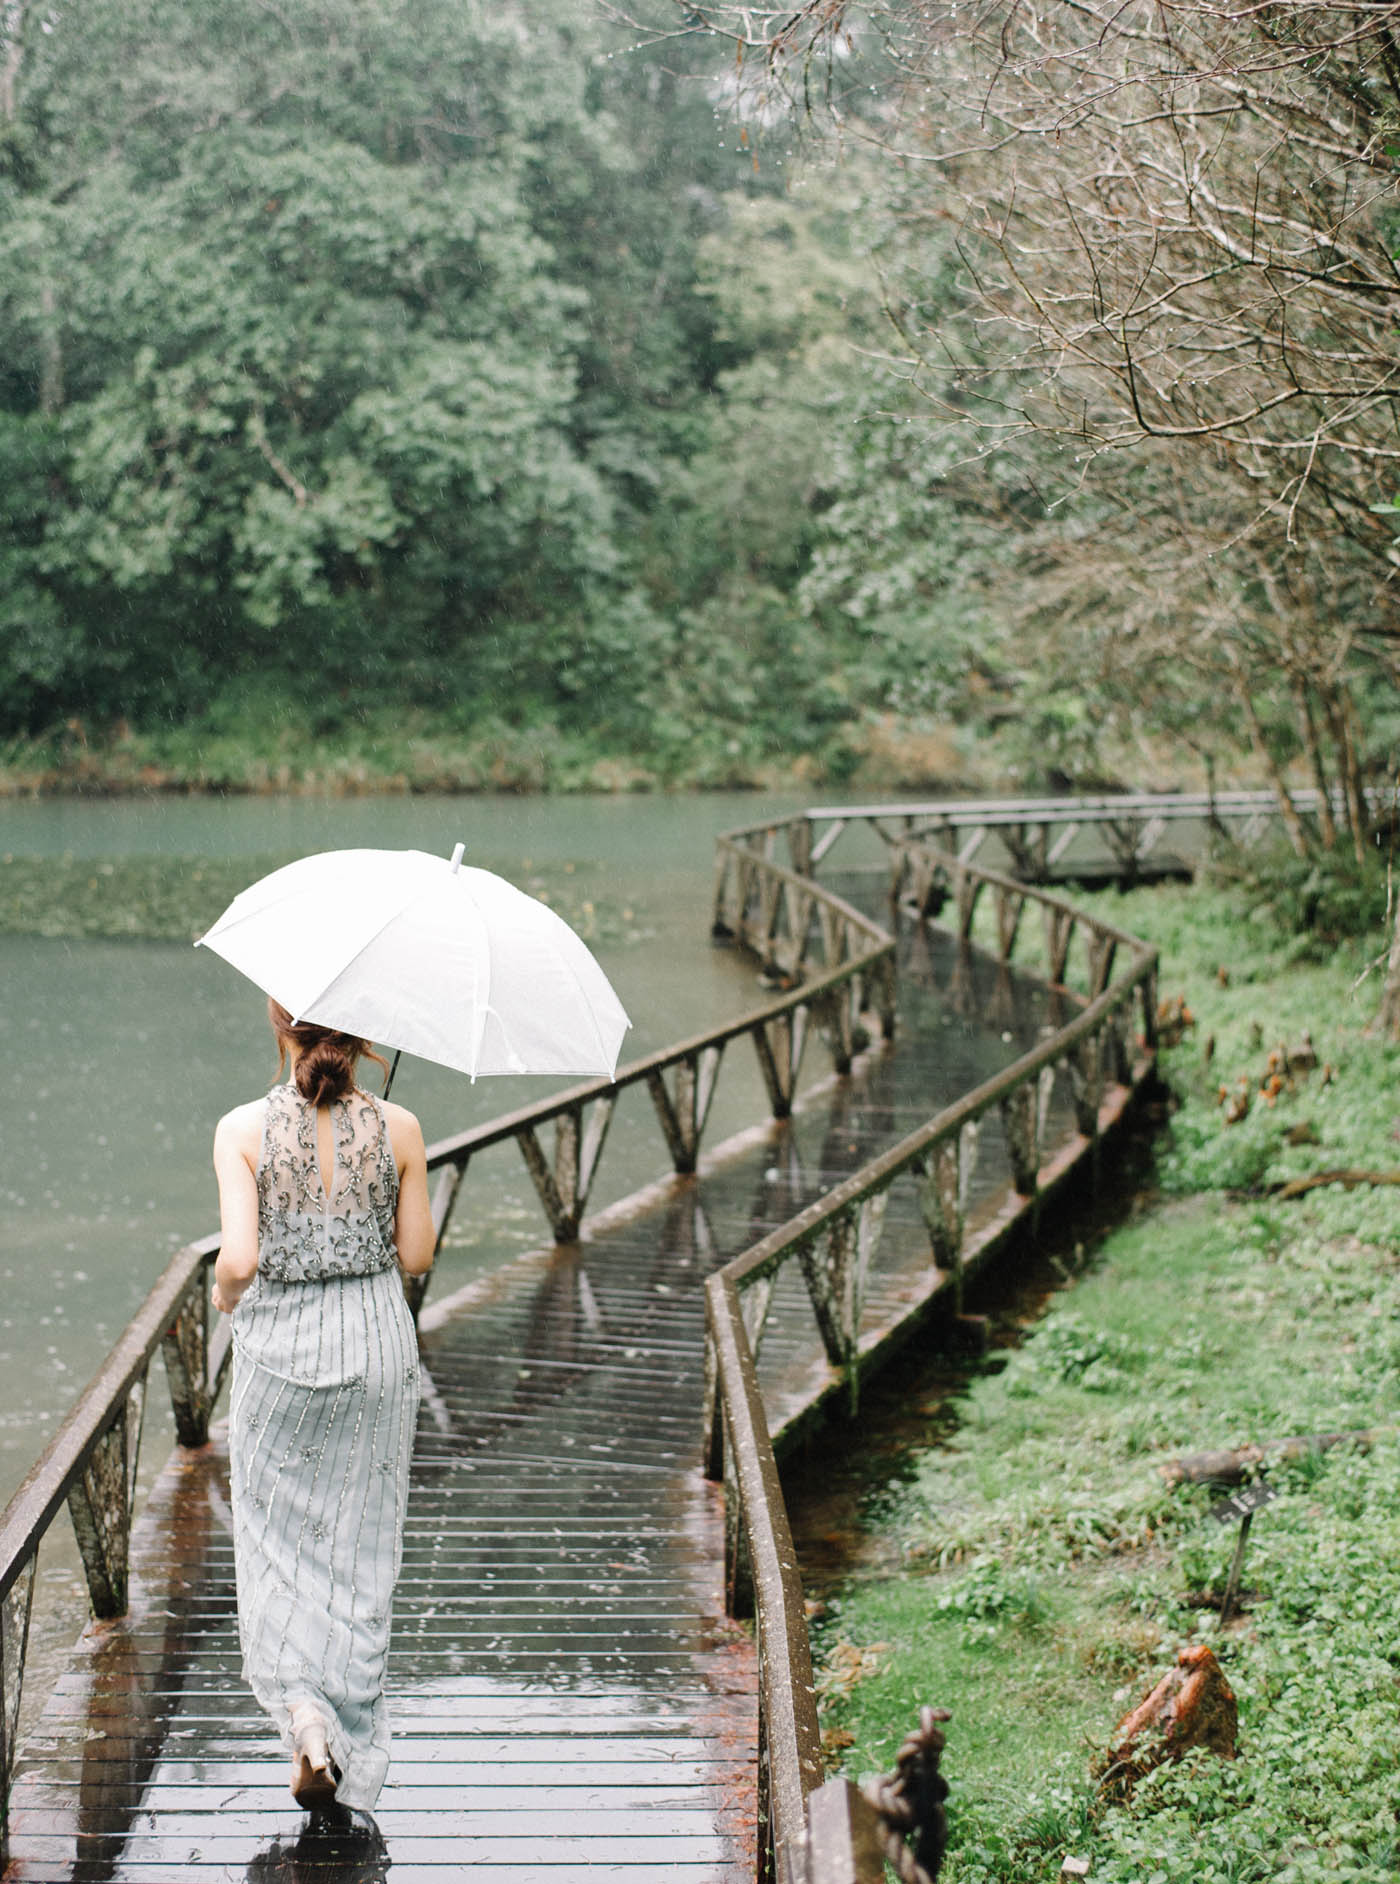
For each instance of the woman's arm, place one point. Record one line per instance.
(236, 1169)
(415, 1239)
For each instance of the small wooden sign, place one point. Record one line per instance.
(1243, 1503)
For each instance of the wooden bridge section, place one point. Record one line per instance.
(571, 1693)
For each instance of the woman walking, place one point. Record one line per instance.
(323, 1200)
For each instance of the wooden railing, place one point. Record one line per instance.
(90, 1465)
(833, 1242)
(1038, 834)
(849, 984)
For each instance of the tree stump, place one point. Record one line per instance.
(1193, 1705)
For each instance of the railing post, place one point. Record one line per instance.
(443, 1198)
(1018, 1111)
(683, 1111)
(723, 922)
(940, 1200)
(1059, 932)
(800, 845)
(835, 1268)
(1148, 987)
(564, 1190)
(16, 1607)
(779, 1044)
(765, 1870)
(185, 1350)
(1102, 949)
(712, 1427)
(844, 1843)
(100, 1505)
(881, 992)
(738, 1566)
(1009, 909)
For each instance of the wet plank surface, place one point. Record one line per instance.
(568, 1696)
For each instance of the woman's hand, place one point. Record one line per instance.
(222, 1302)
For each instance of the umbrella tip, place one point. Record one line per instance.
(457, 858)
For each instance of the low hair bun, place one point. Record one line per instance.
(324, 1061)
(326, 1071)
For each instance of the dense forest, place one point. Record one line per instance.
(450, 360)
(607, 400)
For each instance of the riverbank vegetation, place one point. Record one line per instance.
(1047, 1572)
(510, 398)
(445, 402)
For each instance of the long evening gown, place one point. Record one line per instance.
(324, 1403)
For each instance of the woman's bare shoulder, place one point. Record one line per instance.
(242, 1127)
(405, 1133)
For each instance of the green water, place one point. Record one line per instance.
(121, 1055)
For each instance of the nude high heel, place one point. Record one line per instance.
(315, 1774)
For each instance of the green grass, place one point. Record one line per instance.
(256, 742)
(1050, 1573)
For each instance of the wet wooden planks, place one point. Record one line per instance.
(569, 1698)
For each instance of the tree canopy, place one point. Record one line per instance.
(498, 363)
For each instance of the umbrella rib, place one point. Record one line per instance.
(588, 1008)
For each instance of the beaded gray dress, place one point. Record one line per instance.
(325, 1399)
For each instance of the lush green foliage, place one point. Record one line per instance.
(1050, 1571)
(444, 395)
(459, 365)
(347, 347)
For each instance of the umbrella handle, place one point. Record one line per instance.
(398, 1055)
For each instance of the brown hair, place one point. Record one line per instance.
(323, 1061)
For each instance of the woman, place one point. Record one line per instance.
(323, 1197)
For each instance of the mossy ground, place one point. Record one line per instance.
(1048, 1573)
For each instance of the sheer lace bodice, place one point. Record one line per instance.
(304, 1235)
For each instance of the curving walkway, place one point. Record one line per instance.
(569, 1696)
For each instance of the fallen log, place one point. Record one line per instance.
(1352, 1180)
(1233, 1466)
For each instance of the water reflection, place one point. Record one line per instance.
(351, 1842)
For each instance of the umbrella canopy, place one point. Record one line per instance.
(424, 954)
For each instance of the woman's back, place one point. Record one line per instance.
(307, 1230)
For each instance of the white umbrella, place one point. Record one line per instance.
(419, 953)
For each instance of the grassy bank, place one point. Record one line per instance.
(1048, 1573)
(258, 750)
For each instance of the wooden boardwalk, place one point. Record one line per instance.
(569, 1697)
